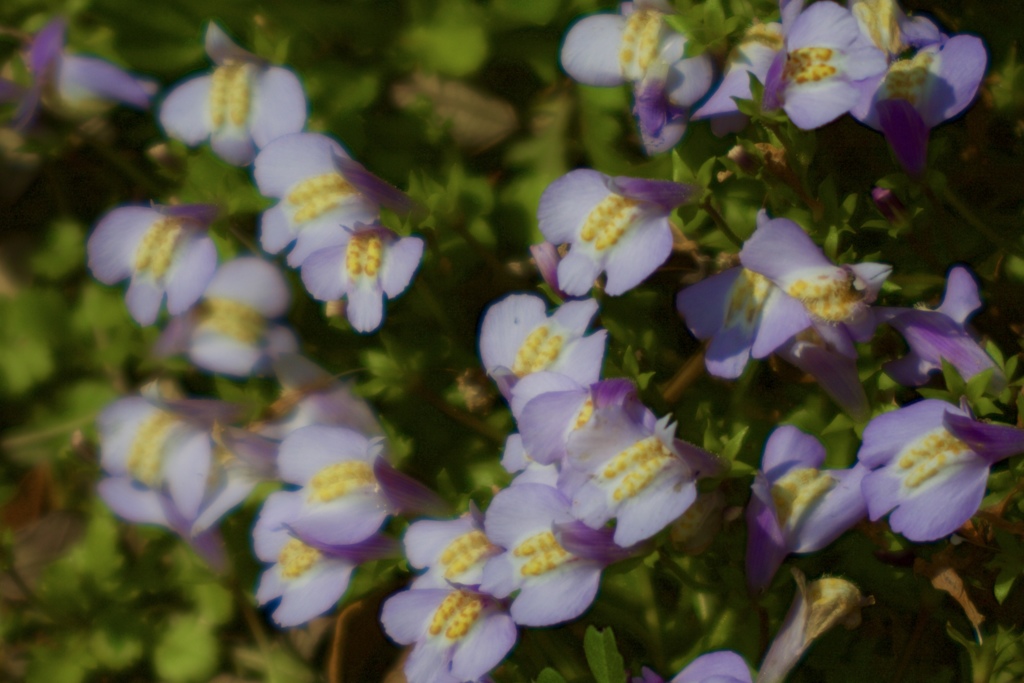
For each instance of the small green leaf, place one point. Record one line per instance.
(954, 382)
(603, 656)
(732, 446)
(977, 385)
(1004, 582)
(549, 675)
(187, 651)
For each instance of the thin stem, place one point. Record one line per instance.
(465, 419)
(13, 442)
(684, 377)
(720, 223)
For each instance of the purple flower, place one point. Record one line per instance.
(369, 264)
(555, 584)
(918, 93)
(815, 77)
(74, 82)
(616, 225)
(517, 337)
(458, 635)
(308, 577)
(341, 498)
(547, 258)
(229, 331)
(322, 190)
(796, 506)
(517, 461)
(714, 667)
(627, 467)
(241, 461)
(241, 106)
(163, 249)
(835, 298)
(930, 463)
(549, 407)
(941, 334)
(638, 47)
(832, 365)
(312, 396)
(452, 551)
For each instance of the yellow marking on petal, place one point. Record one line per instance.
(828, 298)
(316, 196)
(640, 464)
(156, 250)
(583, 417)
(880, 19)
(641, 39)
(297, 558)
(609, 220)
(145, 457)
(340, 479)
(545, 552)
(465, 551)
(928, 456)
(798, 490)
(809, 64)
(233, 319)
(907, 78)
(456, 615)
(231, 94)
(746, 298)
(769, 35)
(538, 352)
(363, 255)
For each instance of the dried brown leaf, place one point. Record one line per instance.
(947, 580)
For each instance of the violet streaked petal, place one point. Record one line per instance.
(566, 203)
(774, 85)
(715, 667)
(200, 215)
(81, 79)
(144, 299)
(689, 80)
(402, 258)
(815, 104)
(365, 310)
(790, 447)
(46, 47)
(591, 544)
(545, 255)
(590, 52)
(991, 441)
(640, 252)
(729, 352)
(963, 60)
(190, 272)
(406, 495)
(666, 194)
(766, 546)
(484, 648)
(823, 24)
(704, 304)
(961, 298)
(184, 113)
(836, 374)
(372, 187)
(221, 48)
(132, 501)
(279, 107)
(782, 317)
(112, 245)
(906, 133)
(779, 247)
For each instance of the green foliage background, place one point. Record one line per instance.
(464, 105)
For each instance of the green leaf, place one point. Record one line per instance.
(187, 651)
(549, 675)
(954, 382)
(977, 385)
(603, 656)
(1004, 582)
(64, 251)
(732, 446)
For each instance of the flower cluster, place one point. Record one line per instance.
(594, 475)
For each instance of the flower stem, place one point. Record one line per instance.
(975, 222)
(720, 223)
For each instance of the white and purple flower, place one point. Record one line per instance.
(453, 552)
(816, 76)
(240, 107)
(518, 337)
(930, 463)
(638, 47)
(230, 331)
(368, 265)
(458, 634)
(163, 249)
(714, 667)
(796, 506)
(322, 191)
(615, 225)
